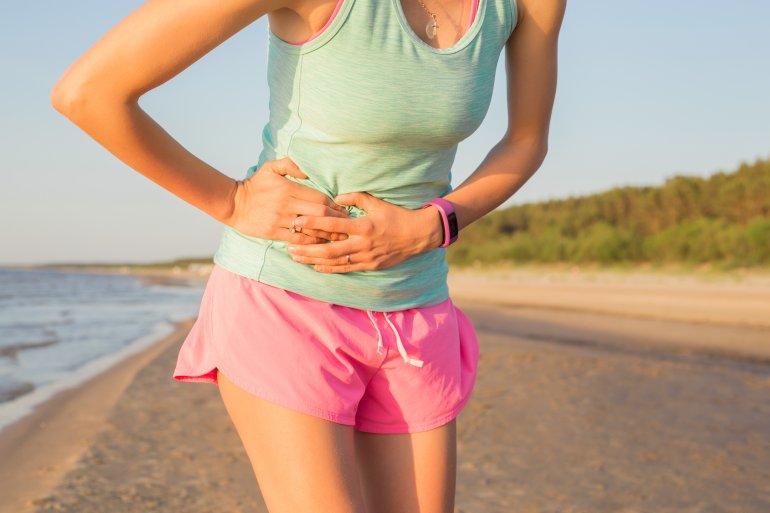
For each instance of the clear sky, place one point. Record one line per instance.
(647, 90)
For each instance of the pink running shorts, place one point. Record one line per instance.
(383, 372)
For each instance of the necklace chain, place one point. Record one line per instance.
(432, 27)
(426, 9)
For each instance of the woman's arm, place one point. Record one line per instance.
(100, 93)
(530, 62)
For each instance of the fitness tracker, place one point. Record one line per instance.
(448, 219)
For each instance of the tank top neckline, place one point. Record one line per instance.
(344, 8)
(461, 43)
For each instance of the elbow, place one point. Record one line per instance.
(536, 147)
(69, 98)
(61, 97)
(76, 99)
(539, 146)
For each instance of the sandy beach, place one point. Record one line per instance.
(597, 392)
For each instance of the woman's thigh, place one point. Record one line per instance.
(409, 473)
(300, 461)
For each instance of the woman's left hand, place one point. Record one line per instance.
(387, 235)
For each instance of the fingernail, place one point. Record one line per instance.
(291, 249)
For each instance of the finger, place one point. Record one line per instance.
(299, 238)
(299, 206)
(335, 236)
(349, 225)
(310, 195)
(335, 261)
(286, 220)
(326, 250)
(346, 268)
(286, 166)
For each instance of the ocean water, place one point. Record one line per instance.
(57, 329)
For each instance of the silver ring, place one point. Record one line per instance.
(293, 228)
(349, 262)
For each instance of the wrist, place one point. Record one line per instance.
(432, 229)
(446, 211)
(227, 212)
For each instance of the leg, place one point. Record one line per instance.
(409, 473)
(300, 461)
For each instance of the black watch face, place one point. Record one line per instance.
(452, 218)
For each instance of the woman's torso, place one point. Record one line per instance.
(368, 105)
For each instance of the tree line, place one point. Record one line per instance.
(723, 219)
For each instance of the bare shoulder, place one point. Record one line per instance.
(547, 15)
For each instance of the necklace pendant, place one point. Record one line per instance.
(430, 29)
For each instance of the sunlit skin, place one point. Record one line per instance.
(302, 461)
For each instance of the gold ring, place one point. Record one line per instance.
(349, 258)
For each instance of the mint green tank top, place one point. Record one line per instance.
(366, 105)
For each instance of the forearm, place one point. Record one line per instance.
(130, 134)
(504, 171)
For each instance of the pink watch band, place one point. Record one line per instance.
(448, 219)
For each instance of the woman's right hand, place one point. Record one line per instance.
(266, 203)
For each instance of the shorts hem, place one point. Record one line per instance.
(308, 410)
(405, 428)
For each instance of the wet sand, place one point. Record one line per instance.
(576, 409)
(37, 451)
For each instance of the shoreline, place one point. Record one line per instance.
(673, 292)
(39, 448)
(24, 403)
(191, 276)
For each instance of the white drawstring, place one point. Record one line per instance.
(399, 344)
(380, 348)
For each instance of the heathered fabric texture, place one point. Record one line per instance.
(368, 106)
